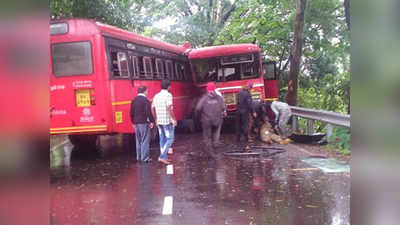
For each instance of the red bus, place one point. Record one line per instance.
(96, 70)
(231, 67)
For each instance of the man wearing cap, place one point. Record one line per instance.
(244, 107)
(211, 110)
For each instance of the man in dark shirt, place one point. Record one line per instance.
(211, 110)
(244, 107)
(143, 121)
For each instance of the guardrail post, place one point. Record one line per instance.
(294, 123)
(329, 131)
(310, 128)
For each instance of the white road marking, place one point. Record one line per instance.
(170, 169)
(168, 202)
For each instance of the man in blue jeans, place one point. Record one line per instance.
(143, 121)
(164, 116)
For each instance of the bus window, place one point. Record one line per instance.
(123, 65)
(180, 71)
(205, 69)
(148, 69)
(119, 63)
(247, 70)
(74, 58)
(269, 70)
(227, 68)
(170, 70)
(188, 75)
(160, 68)
(135, 64)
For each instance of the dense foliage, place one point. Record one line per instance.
(126, 14)
(324, 81)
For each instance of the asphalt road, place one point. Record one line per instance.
(278, 189)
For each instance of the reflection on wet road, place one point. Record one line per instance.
(244, 190)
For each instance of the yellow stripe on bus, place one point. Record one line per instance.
(75, 131)
(269, 99)
(78, 127)
(129, 102)
(121, 103)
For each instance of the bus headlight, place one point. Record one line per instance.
(256, 95)
(229, 98)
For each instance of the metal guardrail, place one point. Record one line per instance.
(321, 115)
(331, 118)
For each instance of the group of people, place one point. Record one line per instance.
(211, 110)
(266, 119)
(145, 115)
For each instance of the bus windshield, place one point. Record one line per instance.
(73, 58)
(226, 68)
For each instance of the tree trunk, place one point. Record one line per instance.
(295, 58)
(347, 12)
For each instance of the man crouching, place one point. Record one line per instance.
(267, 135)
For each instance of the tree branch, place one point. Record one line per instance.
(188, 11)
(228, 14)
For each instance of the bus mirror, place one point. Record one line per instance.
(269, 69)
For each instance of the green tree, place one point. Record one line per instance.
(197, 21)
(326, 51)
(296, 52)
(126, 14)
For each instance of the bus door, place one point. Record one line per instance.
(270, 80)
(75, 90)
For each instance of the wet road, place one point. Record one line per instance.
(280, 189)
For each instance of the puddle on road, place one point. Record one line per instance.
(328, 165)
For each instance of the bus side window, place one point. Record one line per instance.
(169, 70)
(188, 75)
(180, 71)
(148, 69)
(119, 63)
(177, 75)
(160, 68)
(135, 64)
(123, 66)
(269, 69)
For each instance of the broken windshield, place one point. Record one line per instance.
(227, 68)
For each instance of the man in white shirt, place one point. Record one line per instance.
(282, 115)
(164, 116)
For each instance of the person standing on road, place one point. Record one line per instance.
(282, 115)
(211, 110)
(244, 107)
(142, 120)
(164, 116)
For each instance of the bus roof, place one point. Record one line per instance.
(92, 27)
(222, 50)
